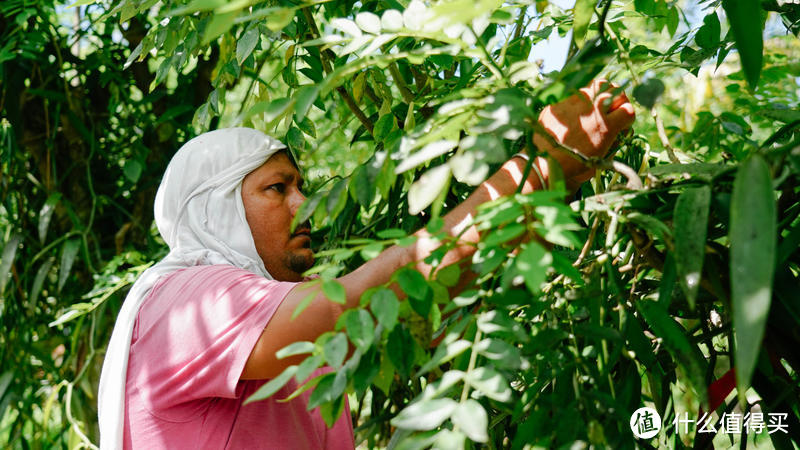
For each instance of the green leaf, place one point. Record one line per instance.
(505, 234)
(68, 254)
(360, 328)
(273, 385)
(329, 388)
(334, 291)
(744, 17)
(278, 18)
(490, 383)
(337, 198)
(753, 224)
(307, 208)
(425, 154)
(648, 93)
(38, 281)
(132, 170)
(383, 127)
(272, 110)
(9, 254)
(331, 411)
(443, 354)
(296, 348)
(391, 233)
(582, 15)
(197, 6)
(532, 263)
(500, 352)
(246, 44)
(304, 98)
(471, 418)
(691, 223)
(400, 349)
(308, 366)
(673, 19)
(82, 3)
(677, 343)
(412, 283)
(386, 307)
(708, 35)
(46, 213)
(425, 190)
(219, 24)
(425, 414)
(335, 349)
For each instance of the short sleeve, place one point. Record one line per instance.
(194, 334)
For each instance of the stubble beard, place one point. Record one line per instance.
(299, 262)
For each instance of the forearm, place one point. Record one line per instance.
(457, 224)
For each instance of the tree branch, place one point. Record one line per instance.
(326, 66)
(401, 83)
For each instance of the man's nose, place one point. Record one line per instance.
(296, 200)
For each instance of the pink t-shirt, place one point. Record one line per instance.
(190, 343)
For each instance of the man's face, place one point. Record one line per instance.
(271, 196)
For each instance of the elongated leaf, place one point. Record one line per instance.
(490, 383)
(9, 253)
(304, 98)
(674, 339)
(471, 418)
(297, 348)
(532, 263)
(360, 328)
(753, 245)
(386, 307)
(271, 111)
(584, 9)
(219, 24)
(691, 222)
(246, 44)
(329, 388)
(425, 414)
(273, 386)
(38, 281)
(748, 29)
(425, 190)
(335, 350)
(68, 254)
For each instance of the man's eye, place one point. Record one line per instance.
(280, 187)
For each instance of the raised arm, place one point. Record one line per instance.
(584, 122)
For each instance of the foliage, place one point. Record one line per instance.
(632, 294)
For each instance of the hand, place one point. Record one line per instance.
(584, 122)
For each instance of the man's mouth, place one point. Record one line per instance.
(306, 233)
(302, 230)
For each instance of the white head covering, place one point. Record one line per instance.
(200, 214)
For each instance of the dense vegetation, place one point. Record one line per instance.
(676, 263)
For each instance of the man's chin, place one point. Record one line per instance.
(301, 260)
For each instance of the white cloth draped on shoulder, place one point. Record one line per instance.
(200, 214)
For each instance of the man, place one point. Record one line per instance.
(199, 331)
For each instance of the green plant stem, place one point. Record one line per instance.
(662, 135)
(401, 84)
(472, 359)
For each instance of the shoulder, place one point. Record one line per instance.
(198, 278)
(207, 287)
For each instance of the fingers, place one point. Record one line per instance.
(622, 117)
(618, 101)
